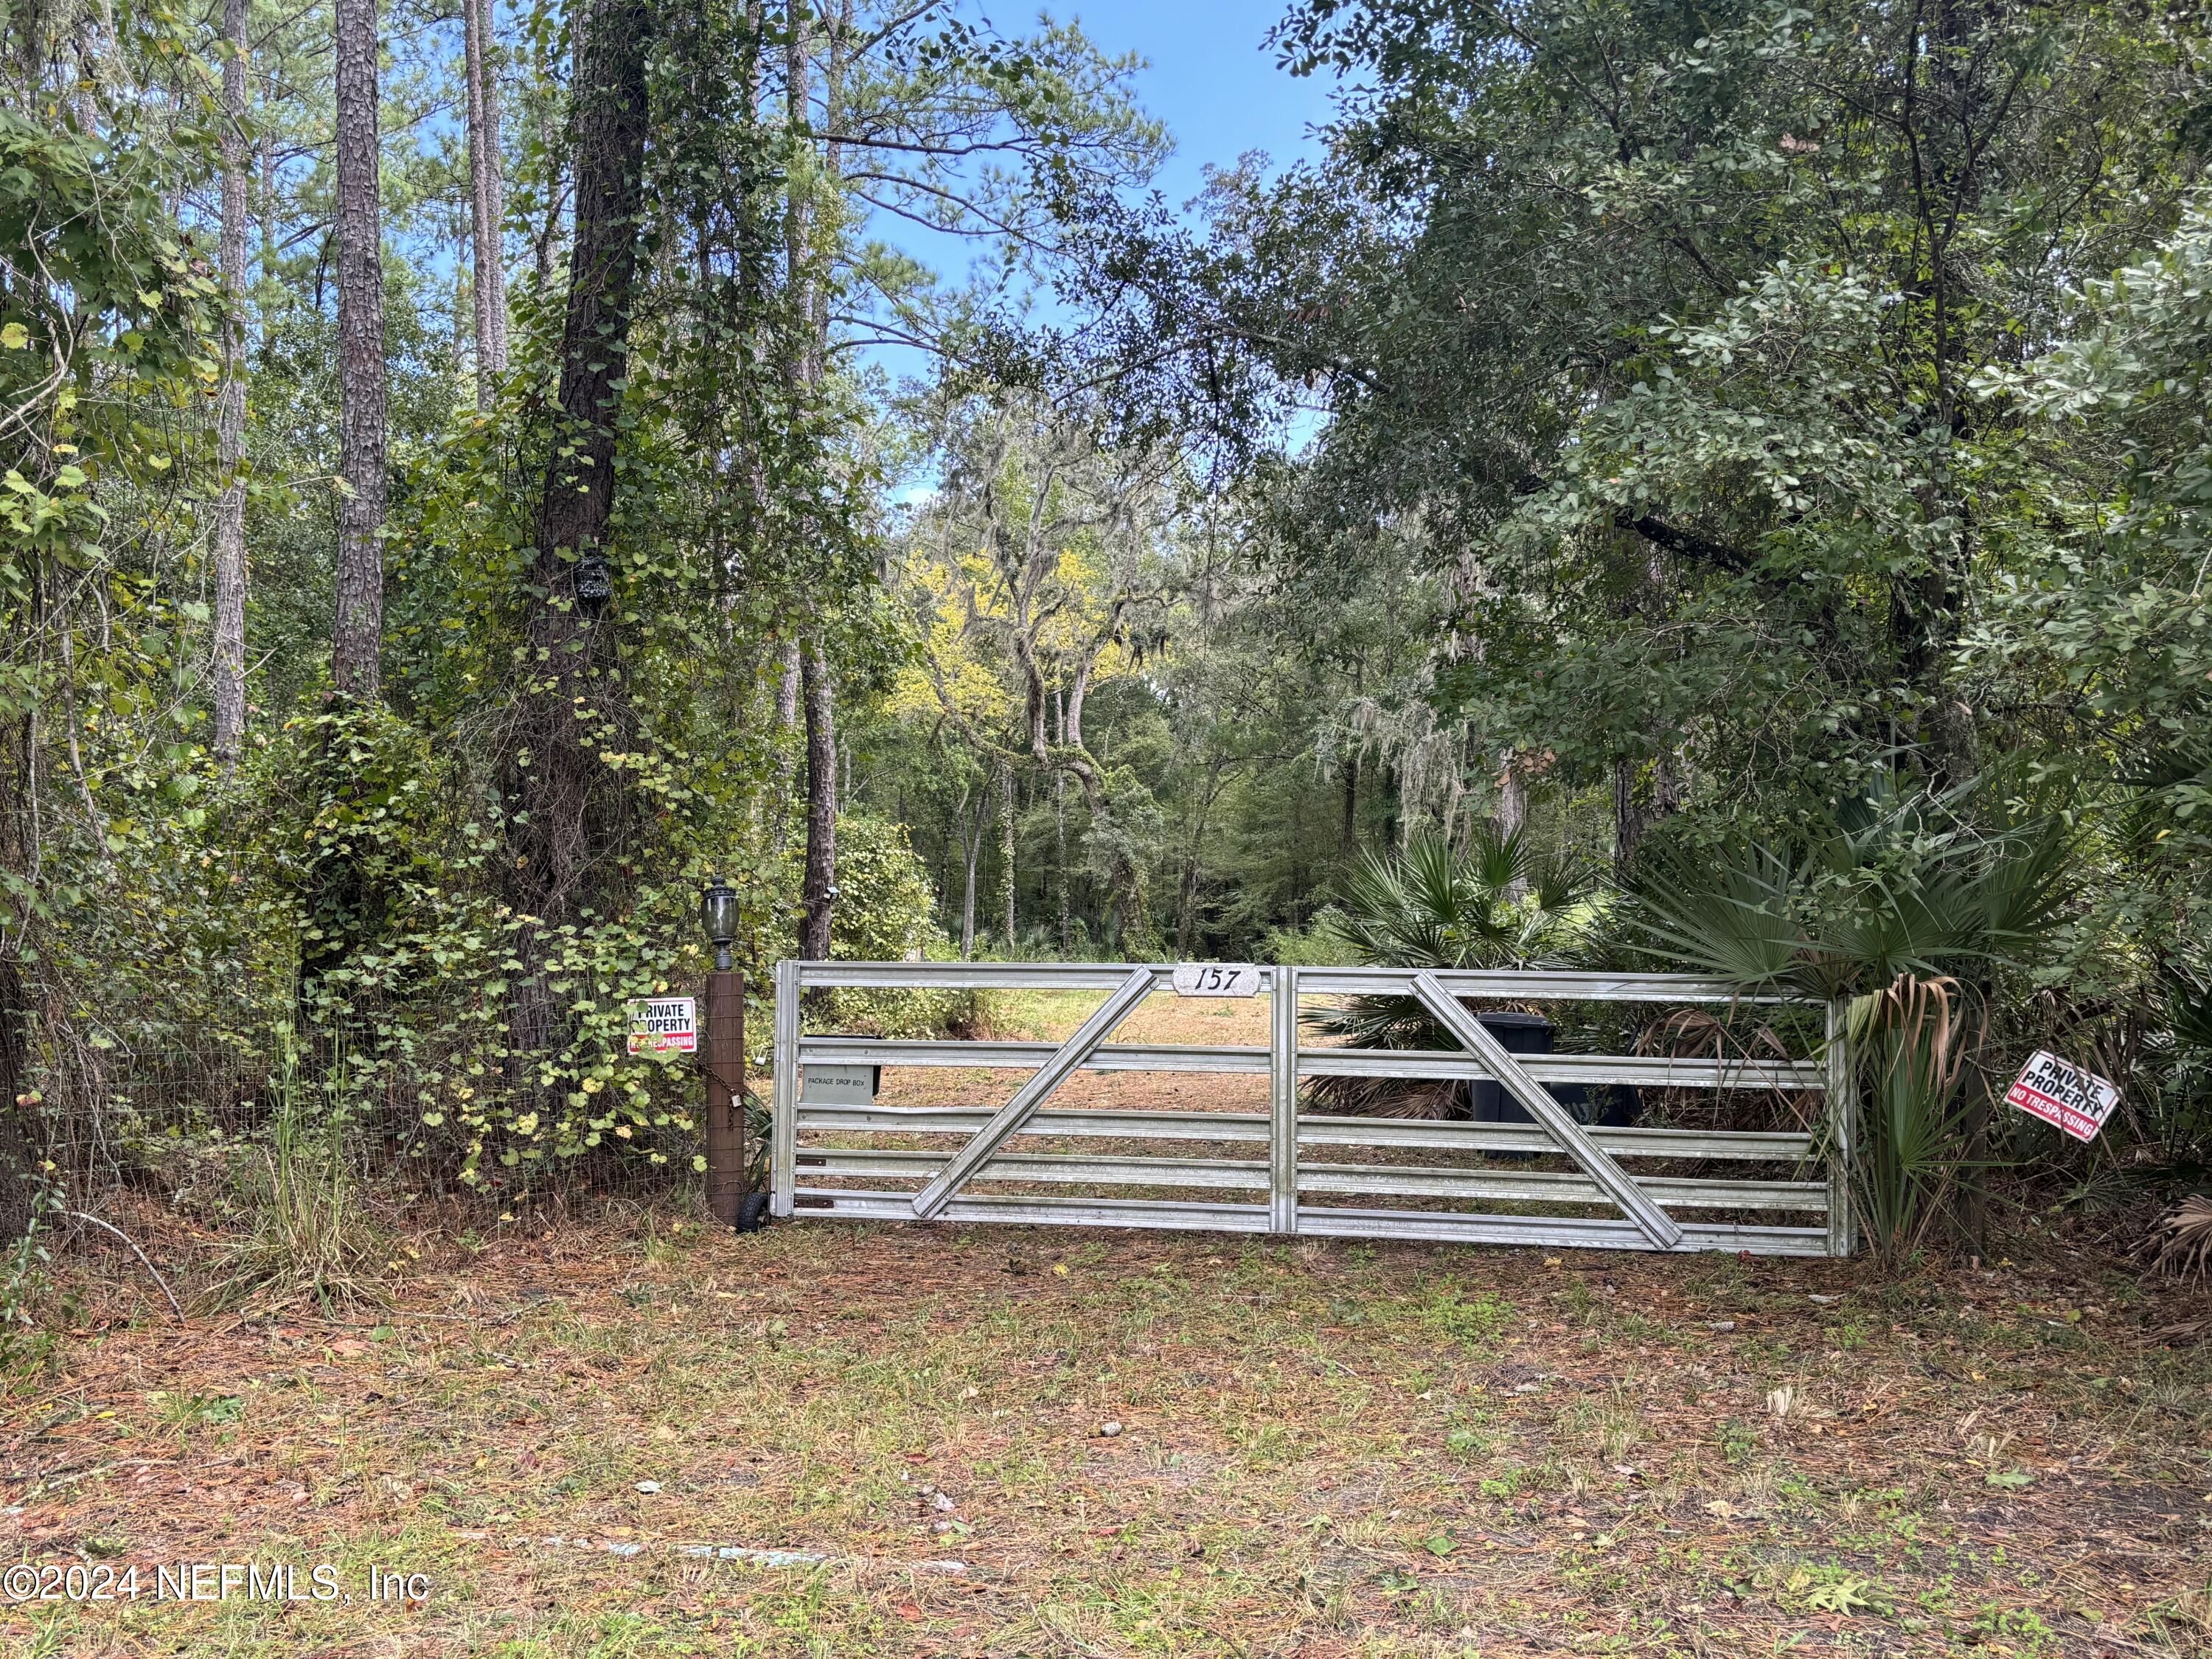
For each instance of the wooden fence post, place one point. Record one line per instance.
(727, 1181)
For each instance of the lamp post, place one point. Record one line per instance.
(729, 1197)
(718, 919)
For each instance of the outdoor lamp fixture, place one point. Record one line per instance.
(718, 919)
(595, 583)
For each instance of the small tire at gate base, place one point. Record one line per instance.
(752, 1213)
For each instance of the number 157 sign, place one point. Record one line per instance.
(1216, 979)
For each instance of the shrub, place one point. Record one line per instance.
(1498, 904)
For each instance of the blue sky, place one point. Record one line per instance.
(1212, 81)
(1208, 77)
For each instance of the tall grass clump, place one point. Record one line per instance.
(307, 1236)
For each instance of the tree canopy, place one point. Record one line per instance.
(453, 501)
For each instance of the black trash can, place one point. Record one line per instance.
(1517, 1033)
(1608, 1106)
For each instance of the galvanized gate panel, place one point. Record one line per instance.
(1287, 1159)
(1658, 1227)
(986, 1142)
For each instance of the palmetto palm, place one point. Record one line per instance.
(1902, 911)
(1496, 904)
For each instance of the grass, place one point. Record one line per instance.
(305, 1235)
(632, 1435)
(1371, 1450)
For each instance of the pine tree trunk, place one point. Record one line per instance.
(820, 888)
(265, 230)
(1007, 847)
(356, 638)
(798, 267)
(227, 670)
(20, 1135)
(755, 244)
(971, 838)
(487, 199)
(575, 809)
(808, 352)
(840, 35)
(787, 737)
(1630, 820)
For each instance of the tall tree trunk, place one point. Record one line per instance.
(838, 32)
(755, 244)
(804, 367)
(265, 227)
(548, 139)
(787, 738)
(487, 199)
(971, 838)
(1627, 819)
(1348, 831)
(821, 885)
(357, 637)
(798, 265)
(1059, 832)
(571, 818)
(574, 807)
(806, 28)
(1633, 816)
(228, 667)
(20, 1135)
(1006, 849)
(1512, 793)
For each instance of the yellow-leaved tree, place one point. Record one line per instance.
(1041, 568)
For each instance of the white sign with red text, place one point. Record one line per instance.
(664, 1025)
(2066, 1096)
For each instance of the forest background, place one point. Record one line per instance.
(457, 496)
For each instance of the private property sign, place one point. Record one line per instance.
(664, 1025)
(2074, 1100)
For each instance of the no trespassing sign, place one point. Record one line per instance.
(2075, 1101)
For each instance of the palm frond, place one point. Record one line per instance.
(2182, 1238)
(2188, 998)
(1733, 919)
(2025, 894)
(1496, 860)
(1495, 905)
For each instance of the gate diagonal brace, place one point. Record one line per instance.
(1654, 1223)
(1010, 1118)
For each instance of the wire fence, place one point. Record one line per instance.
(437, 1107)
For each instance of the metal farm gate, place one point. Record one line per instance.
(1282, 1170)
